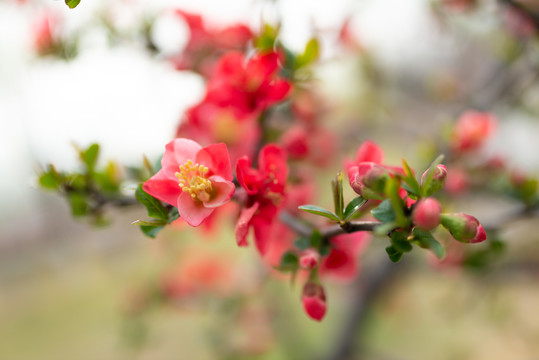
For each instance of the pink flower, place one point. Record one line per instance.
(426, 214)
(265, 188)
(471, 130)
(309, 259)
(195, 179)
(314, 301)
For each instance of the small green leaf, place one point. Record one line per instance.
(310, 54)
(392, 191)
(302, 243)
(89, 156)
(399, 240)
(410, 182)
(289, 262)
(384, 212)
(338, 196)
(49, 180)
(430, 173)
(148, 222)
(151, 231)
(72, 3)
(394, 254)
(153, 206)
(427, 241)
(316, 210)
(353, 207)
(385, 228)
(78, 204)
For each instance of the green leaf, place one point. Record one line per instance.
(151, 231)
(148, 222)
(399, 240)
(316, 210)
(78, 204)
(410, 182)
(353, 207)
(289, 262)
(89, 156)
(310, 54)
(153, 206)
(384, 212)
(392, 191)
(394, 254)
(49, 180)
(72, 3)
(427, 241)
(430, 173)
(302, 243)
(338, 196)
(385, 228)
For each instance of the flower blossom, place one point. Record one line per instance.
(471, 130)
(265, 188)
(195, 179)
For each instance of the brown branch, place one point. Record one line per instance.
(304, 228)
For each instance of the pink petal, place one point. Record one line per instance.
(223, 191)
(242, 227)
(161, 187)
(369, 151)
(191, 210)
(177, 152)
(216, 158)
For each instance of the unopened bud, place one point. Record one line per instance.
(438, 179)
(426, 214)
(314, 301)
(309, 259)
(368, 179)
(464, 228)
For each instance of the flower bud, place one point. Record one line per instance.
(426, 214)
(309, 259)
(464, 228)
(438, 179)
(472, 130)
(368, 179)
(314, 301)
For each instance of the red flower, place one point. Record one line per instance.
(248, 86)
(195, 179)
(265, 188)
(342, 261)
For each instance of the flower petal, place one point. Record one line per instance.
(216, 158)
(177, 152)
(248, 177)
(223, 191)
(161, 187)
(192, 211)
(272, 160)
(244, 221)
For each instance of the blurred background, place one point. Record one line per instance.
(70, 290)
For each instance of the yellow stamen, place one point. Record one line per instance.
(193, 179)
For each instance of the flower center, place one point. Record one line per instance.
(193, 179)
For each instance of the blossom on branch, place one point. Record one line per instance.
(265, 188)
(195, 179)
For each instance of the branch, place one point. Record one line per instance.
(304, 228)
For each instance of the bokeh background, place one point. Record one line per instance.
(71, 291)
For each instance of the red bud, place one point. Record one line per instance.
(314, 301)
(427, 213)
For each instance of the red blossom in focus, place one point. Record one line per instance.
(472, 130)
(265, 188)
(195, 179)
(313, 299)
